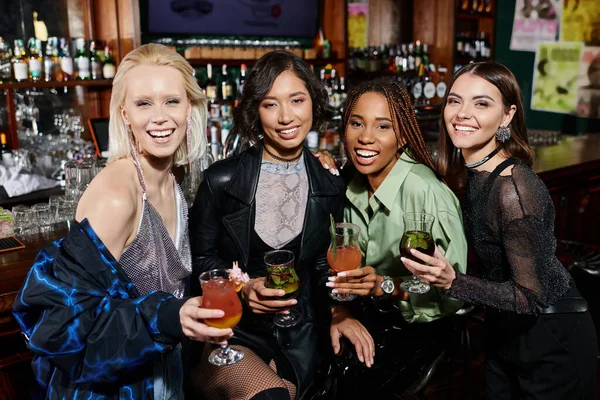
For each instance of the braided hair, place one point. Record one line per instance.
(404, 120)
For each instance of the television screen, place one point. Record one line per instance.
(276, 18)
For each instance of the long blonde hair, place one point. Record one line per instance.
(119, 139)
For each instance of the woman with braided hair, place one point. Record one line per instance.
(394, 174)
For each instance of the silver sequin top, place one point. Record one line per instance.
(152, 261)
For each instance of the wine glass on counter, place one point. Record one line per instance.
(417, 235)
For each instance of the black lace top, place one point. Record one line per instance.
(509, 222)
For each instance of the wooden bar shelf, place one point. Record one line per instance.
(53, 84)
(236, 62)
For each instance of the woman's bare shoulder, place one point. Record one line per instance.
(112, 197)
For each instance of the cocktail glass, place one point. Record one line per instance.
(282, 275)
(343, 253)
(417, 235)
(218, 292)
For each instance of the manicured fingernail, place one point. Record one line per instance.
(337, 172)
(361, 358)
(281, 293)
(342, 274)
(325, 166)
(331, 278)
(334, 291)
(402, 259)
(330, 284)
(294, 301)
(412, 251)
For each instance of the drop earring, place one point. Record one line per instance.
(503, 134)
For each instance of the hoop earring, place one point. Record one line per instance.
(503, 134)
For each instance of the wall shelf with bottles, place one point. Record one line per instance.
(103, 83)
(237, 62)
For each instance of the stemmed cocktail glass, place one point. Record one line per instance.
(218, 292)
(417, 235)
(282, 275)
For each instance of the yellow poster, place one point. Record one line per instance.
(358, 15)
(556, 77)
(581, 22)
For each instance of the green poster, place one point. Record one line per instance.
(555, 77)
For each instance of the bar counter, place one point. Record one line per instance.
(570, 169)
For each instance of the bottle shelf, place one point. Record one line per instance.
(53, 84)
(196, 62)
(474, 16)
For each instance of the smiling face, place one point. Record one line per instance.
(286, 115)
(157, 109)
(371, 141)
(474, 110)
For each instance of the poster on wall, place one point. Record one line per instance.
(535, 21)
(358, 17)
(580, 22)
(588, 103)
(556, 77)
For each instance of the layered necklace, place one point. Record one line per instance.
(288, 161)
(484, 159)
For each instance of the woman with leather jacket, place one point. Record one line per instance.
(275, 195)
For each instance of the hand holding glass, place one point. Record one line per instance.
(218, 292)
(343, 253)
(417, 235)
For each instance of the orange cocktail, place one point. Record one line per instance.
(346, 257)
(220, 294)
(343, 253)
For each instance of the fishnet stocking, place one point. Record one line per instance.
(240, 381)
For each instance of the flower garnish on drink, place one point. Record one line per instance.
(238, 276)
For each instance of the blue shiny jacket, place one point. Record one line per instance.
(93, 336)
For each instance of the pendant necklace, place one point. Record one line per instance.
(283, 159)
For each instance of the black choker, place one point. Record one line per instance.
(283, 159)
(484, 159)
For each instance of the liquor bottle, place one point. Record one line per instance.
(404, 58)
(211, 84)
(82, 60)
(109, 68)
(241, 81)
(418, 55)
(342, 89)
(464, 5)
(425, 54)
(52, 71)
(7, 158)
(20, 62)
(460, 44)
(441, 86)
(36, 70)
(95, 61)
(216, 148)
(65, 60)
(5, 62)
(226, 85)
(417, 89)
(428, 85)
(411, 57)
(474, 6)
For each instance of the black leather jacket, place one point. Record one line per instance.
(222, 221)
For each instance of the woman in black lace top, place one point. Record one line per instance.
(540, 339)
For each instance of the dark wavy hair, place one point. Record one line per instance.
(500, 76)
(260, 80)
(402, 112)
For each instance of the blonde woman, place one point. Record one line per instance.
(104, 309)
